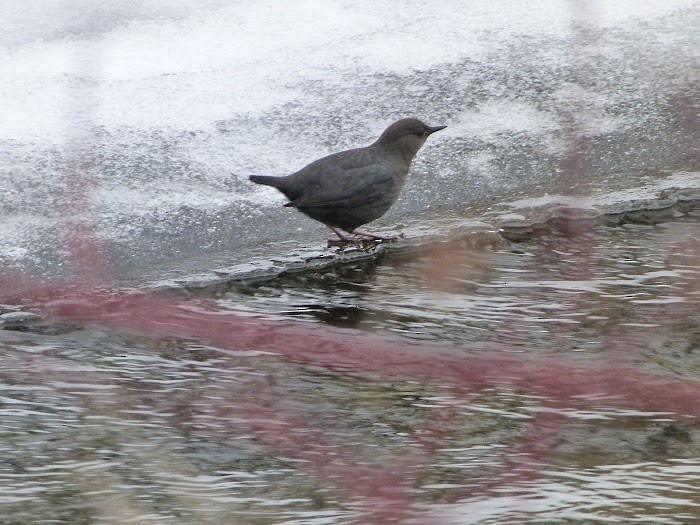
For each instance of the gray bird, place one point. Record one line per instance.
(348, 189)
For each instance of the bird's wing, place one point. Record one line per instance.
(345, 179)
(345, 188)
(347, 199)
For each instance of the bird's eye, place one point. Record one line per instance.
(417, 133)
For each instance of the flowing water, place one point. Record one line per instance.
(176, 347)
(101, 426)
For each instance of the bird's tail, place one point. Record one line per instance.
(267, 180)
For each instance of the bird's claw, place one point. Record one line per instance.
(364, 238)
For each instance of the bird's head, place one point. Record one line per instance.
(407, 136)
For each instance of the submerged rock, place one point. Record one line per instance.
(14, 320)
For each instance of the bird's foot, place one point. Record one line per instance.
(342, 239)
(377, 237)
(359, 237)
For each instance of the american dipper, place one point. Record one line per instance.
(348, 189)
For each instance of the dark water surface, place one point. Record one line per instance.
(107, 426)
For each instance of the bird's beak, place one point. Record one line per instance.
(436, 128)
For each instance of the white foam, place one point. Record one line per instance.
(213, 62)
(499, 116)
(176, 103)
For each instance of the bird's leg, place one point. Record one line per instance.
(358, 236)
(377, 237)
(342, 238)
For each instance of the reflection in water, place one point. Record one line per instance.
(105, 427)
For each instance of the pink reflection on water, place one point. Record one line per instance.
(383, 491)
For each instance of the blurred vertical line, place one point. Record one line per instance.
(84, 254)
(575, 163)
(683, 97)
(686, 111)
